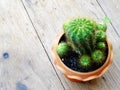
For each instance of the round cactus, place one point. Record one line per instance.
(63, 49)
(85, 61)
(97, 56)
(80, 31)
(102, 26)
(100, 35)
(101, 45)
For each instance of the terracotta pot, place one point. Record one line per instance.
(80, 76)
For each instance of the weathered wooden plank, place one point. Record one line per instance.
(47, 17)
(27, 67)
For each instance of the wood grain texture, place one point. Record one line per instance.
(28, 66)
(48, 16)
(27, 29)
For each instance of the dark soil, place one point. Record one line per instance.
(71, 60)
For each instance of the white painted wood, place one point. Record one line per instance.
(28, 66)
(48, 16)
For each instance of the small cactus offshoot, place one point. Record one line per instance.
(102, 26)
(85, 37)
(97, 56)
(100, 35)
(63, 49)
(101, 45)
(85, 61)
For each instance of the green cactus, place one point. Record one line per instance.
(102, 26)
(86, 38)
(101, 45)
(97, 57)
(100, 35)
(80, 32)
(63, 49)
(85, 61)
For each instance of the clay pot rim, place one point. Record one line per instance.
(55, 44)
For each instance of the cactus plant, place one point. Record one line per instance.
(85, 61)
(102, 26)
(80, 32)
(63, 49)
(97, 56)
(101, 45)
(87, 38)
(100, 35)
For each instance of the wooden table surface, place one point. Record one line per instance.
(27, 29)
